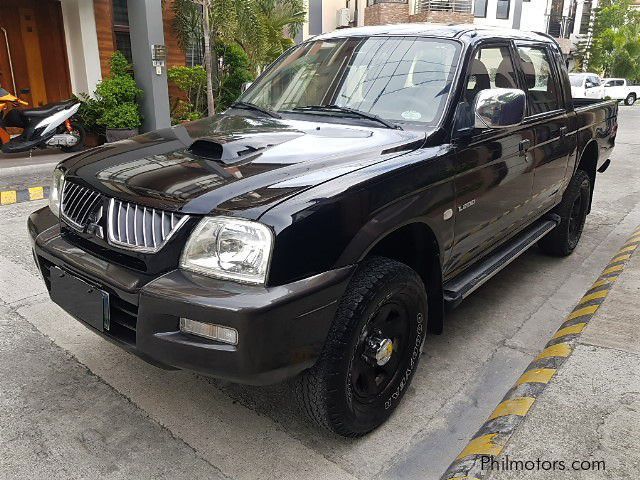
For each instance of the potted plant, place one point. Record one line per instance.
(121, 121)
(113, 110)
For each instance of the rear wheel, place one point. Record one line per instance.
(563, 239)
(630, 100)
(79, 133)
(371, 352)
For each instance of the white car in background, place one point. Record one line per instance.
(619, 89)
(586, 85)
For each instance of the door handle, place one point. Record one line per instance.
(523, 146)
(563, 131)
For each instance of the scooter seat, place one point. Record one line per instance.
(47, 110)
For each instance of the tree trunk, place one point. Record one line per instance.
(207, 57)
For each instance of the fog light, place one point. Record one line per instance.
(208, 330)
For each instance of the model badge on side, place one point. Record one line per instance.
(470, 203)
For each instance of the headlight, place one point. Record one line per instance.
(229, 248)
(55, 194)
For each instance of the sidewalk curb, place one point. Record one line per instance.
(493, 435)
(9, 197)
(25, 169)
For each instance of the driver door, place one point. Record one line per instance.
(494, 174)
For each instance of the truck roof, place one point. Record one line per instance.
(468, 31)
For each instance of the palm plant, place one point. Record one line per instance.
(261, 27)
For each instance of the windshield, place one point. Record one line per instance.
(401, 79)
(576, 80)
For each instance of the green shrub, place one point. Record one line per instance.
(119, 64)
(115, 103)
(118, 90)
(193, 82)
(124, 115)
(235, 72)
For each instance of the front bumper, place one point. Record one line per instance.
(281, 329)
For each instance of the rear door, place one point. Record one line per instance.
(617, 91)
(550, 120)
(494, 175)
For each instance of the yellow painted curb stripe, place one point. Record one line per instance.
(537, 375)
(577, 328)
(583, 311)
(482, 445)
(621, 258)
(7, 197)
(36, 193)
(604, 281)
(594, 296)
(634, 238)
(615, 268)
(629, 248)
(558, 350)
(514, 406)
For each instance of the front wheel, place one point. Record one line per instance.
(371, 352)
(573, 208)
(78, 131)
(630, 100)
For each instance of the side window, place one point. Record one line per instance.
(540, 83)
(490, 67)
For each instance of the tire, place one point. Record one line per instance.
(630, 100)
(573, 209)
(82, 136)
(385, 303)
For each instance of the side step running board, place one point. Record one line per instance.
(460, 287)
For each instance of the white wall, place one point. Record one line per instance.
(328, 16)
(82, 45)
(533, 15)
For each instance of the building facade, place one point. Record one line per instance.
(51, 49)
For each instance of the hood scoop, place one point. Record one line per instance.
(226, 153)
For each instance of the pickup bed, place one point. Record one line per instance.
(368, 181)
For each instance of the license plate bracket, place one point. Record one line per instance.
(80, 299)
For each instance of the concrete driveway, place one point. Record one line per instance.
(73, 405)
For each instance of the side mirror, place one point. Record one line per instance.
(499, 108)
(588, 85)
(245, 86)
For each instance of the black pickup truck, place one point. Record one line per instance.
(367, 182)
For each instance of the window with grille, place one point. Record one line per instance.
(502, 9)
(121, 28)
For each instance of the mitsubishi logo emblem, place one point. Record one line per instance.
(93, 223)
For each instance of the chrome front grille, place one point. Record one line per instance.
(78, 204)
(141, 228)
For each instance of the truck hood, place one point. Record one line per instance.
(232, 163)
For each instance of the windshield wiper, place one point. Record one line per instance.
(350, 111)
(253, 106)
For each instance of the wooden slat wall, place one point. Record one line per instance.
(38, 50)
(103, 11)
(175, 54)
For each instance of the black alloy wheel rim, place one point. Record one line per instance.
(369, 380)
(576, 217)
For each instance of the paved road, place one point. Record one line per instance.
(72, 404)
